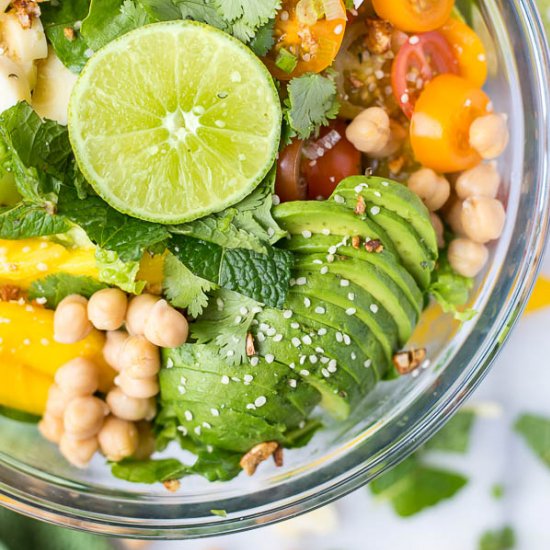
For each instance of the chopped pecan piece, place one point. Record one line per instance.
(69, 33)
(251, 460)
(250, 349)
(9, 293)
(407, 361)
(374, 245)
(356, 241)
(172, 485)
(361, 206)
(26, 11)
(378, 37)
(278, 457)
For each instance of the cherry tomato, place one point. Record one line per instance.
(418, 61)
(468, 50)
(314, 42)
(441, 123)
(289, 185)
(335, 159)
(414, 15)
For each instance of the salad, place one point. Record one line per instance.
(220, 222)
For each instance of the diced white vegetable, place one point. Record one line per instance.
(53, 89)
(14, 86)
(31, 72)
(23, 45)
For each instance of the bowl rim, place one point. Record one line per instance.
(337, 484)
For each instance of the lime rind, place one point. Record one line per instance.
(174, 121)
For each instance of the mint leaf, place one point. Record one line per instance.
(312, 101)
(217, 464)
(149, 471)
(59, 285)
(412, 487)
(535, 430)
(454, 437)
(60, 16)
(501, 539)
(115, 272)
(183, 289)
(110, 229)
(30, 220)
(262, 277)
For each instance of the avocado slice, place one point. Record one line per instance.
(334, 219)
(392, 196)
(375, 282)
(386, 261)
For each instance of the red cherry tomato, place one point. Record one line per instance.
(331, 159)
(289, 185)
(419, 60)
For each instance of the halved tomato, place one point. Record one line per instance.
(414, 15)
(308, 42)
(289, 185)
(440, 125)
(419, 60)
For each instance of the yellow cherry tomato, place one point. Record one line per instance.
(414, 15)
(441, 123)
(468, 49)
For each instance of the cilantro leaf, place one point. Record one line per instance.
(183, 289)
(59, 285)
(262, 277)
(412, 487)
(312, 101)
(56, 17)
(30, 220)
(535, 430)
(226, 322)
(501, 539)
(263, 40)
(115, 272)
(149, 471)
(454, 437)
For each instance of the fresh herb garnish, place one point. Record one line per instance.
(535, 430)
(454, 437)
(501, 539)
(57, 286)
(149, 471)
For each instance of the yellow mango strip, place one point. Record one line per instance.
(540, 298)
(151, 269)
(23, 261)
(23, 388)
(26, 336)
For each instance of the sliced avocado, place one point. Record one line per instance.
(375, 282)
(381, 324)
(334, 219)
(319, 244)
(392, 196)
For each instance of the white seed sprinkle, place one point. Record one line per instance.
(269, 358)
(307, 340)
(183, 430)
(292, 383)
(248, 378)
(332, 363)
(181, 390)
(254, 361)
(353, 356)
(301, 281)
(307, 302)
(313, 359)
(243, 311)
(277, 337)
(214, 412)
(225, 379)
(235, 379)
(318, 262)
(330, 258)
(373, 308)
(271, 331)
(206, 425)
(339, 337)
(303, 359)
(188, 416)
(351, 311)
(347, 340)
(325, 360)
(351, 296)
(260, 401)
(306, 234)
(230, 353)
(386, 183)
(325, 373)
(325, 231)
(322, 331)
(197, 430)
(238, 320)
(333, 250)
(319, 350)
(377, 194)
(292, 366)
(169, 363)
(375, 210)
(287, 314)
(41, 301)
(332, 368)
(367, 363)
(320, 310)
(251, 406)
(339, 199)
(295, 325)
(260, 337)
(323, 270)
(304, 372)
(276, 200)
(344, 282)
(296, 342)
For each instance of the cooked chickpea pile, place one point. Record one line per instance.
(119, 426)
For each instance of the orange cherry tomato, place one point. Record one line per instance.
(314, 43)
(289, 184)
(468, 50)
(414, 15)
(441, 123)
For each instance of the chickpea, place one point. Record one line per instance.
(138, 312)
(137, 387)
(453, 216)
(113, 345)
(483, 219)
(57, 401)
(482, 181)
(118, 439)
(433, 189)
(438, 228)
(107, 309)
(140, 357)
(78, 452)
(146, 443)
(489, 135)
(370, 131)
(166, 327)
(84, 417)
(71, 322)
(51, 427)
(78, 377)
(466, 257)
(131, 408)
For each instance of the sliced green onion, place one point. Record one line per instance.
(308, 12)
(333, 10)
(286, 61)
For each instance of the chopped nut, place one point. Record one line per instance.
(278, 457)
(356, 241)
(172, 485)
(251, 460)
(355, 81)
(361, 206)
(407, 361)
(379, 35)
(374, 245)
(69, 33)
(250, 349)
(9, 293)
(25, 10)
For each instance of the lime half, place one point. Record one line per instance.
(174, 121)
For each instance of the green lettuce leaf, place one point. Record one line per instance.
(115, 272)
(57, 286)
(535, 430)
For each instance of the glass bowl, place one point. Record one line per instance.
(392, 421)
